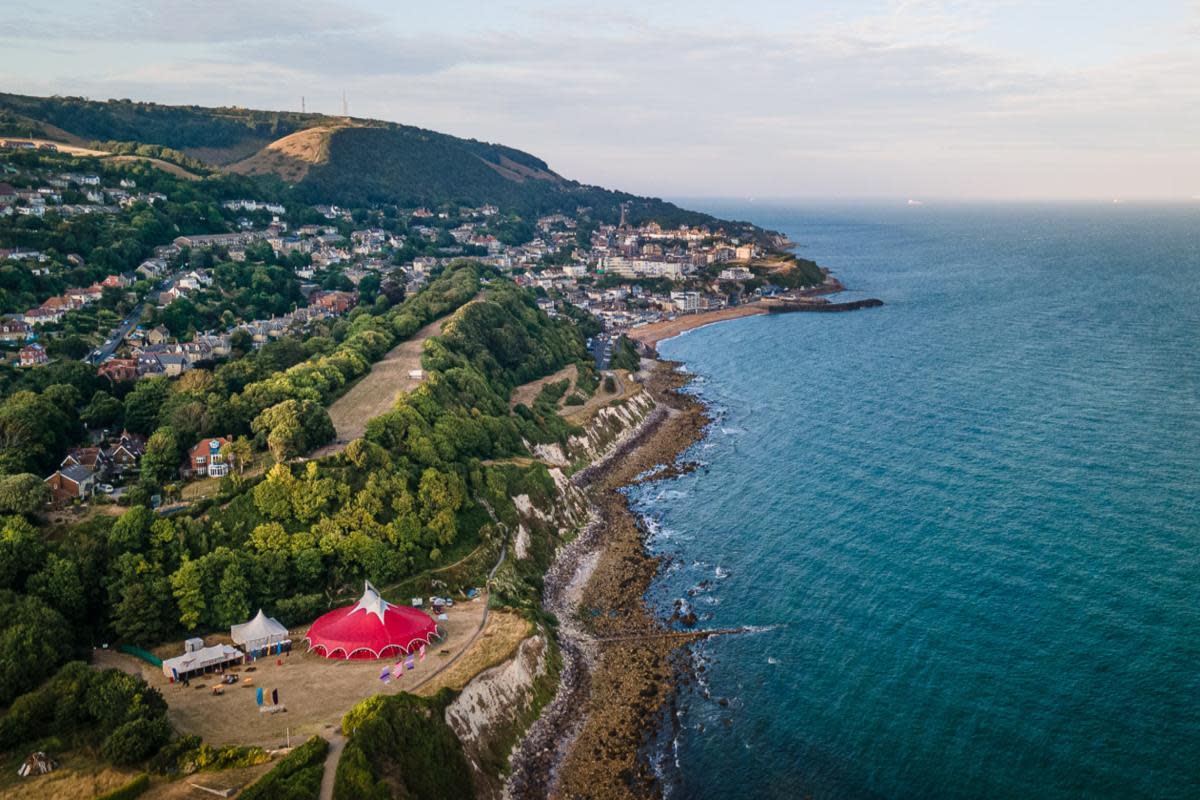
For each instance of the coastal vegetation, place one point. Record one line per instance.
(401, 746)
(297, 776)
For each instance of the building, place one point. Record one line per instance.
(15, 330)
(32, 355)
(205, 459)
(95, 459)
(118, 370)
(333, 302)
(70, 483)
(127, 451)
(686, 301)
(736, 274)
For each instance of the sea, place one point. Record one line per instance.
(962, 530)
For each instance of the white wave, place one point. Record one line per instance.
(772, 660)
(721, 572)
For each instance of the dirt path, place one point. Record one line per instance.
(336, 743)
(376, 393)
(527, 392)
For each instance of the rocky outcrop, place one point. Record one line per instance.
(601, 434)
(495, 708)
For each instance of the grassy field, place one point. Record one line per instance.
(376, 393)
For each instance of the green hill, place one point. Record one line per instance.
(339, 160)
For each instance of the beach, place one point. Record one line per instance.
(655, 332)
(619, 666)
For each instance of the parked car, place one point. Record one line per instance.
(107, 488)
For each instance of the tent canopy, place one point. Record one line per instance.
(217, 655)
(371, 628)
(258, 632)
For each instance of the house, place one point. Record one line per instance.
(127, 451)
(44, 316)
(158, 335)
(8, 195)
(206, 459)
(15, 330)
(333, 302)
(118, 370)
(70, 483)
(94, 458)
(151, 268)
(32, 355)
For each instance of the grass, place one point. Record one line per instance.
(498, 643)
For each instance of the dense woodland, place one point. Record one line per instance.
(297, 538)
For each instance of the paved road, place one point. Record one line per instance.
(118, 335)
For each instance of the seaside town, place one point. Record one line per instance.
(177, 309)
(220, 394)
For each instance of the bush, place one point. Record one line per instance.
(300, 608)
(402, 739)
(189, 754)
(574, 400)
(610, 385)
(132, 789)
(296, 777)
(135, 740)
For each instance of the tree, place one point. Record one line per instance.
(187, 586)
(22, 494)
(131, 532)
(144, 616)
(233, 602)
(238, 452)
(142, 405)
(161, 460)
(34, 638)
(102, 411)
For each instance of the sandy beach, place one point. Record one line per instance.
(655, 332)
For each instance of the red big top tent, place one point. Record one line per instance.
(371, 628)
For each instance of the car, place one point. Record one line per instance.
(107, 488)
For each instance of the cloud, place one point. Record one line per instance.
(673, 99)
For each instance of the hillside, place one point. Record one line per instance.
(338, 160)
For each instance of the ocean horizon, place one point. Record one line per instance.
(965, 526)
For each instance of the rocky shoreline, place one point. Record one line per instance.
(618, 670)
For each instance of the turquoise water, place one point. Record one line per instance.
(968, 522)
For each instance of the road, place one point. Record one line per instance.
(118, 334)
(103, 353)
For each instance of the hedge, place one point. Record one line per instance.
(296, 777)
(132, 789)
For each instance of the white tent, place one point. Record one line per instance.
(193, 661)
(259, 632)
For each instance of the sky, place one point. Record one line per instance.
(1010, 99)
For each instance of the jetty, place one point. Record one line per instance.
(793, 306)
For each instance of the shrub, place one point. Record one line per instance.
(402, 739)
(135, 740)
(574, 400)
(296, 777)
(132, 789)
(610, 385)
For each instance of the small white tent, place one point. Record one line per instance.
(260, 632)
